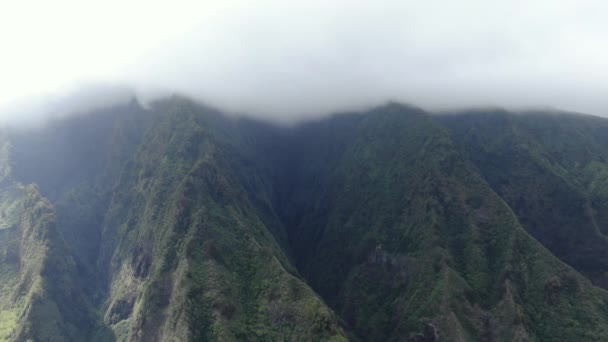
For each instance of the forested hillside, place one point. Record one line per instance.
(175, 222)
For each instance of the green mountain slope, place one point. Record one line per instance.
(402, 231)
(38, 300)
(177, 223)
(168, 243)
(191, 256)
(552, 170)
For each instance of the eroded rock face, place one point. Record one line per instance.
(120, 310)
(141, 261)
(430, 334)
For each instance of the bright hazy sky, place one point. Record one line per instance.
(286, 59)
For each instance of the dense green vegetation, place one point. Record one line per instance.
(551, 168)
(38, 299)
(176, 223)
(402, 230)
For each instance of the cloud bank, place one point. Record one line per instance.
(288, 60)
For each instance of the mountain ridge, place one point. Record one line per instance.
(177, 223)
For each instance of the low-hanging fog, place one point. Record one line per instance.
(288, 60)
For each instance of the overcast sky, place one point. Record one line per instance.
(293, 59)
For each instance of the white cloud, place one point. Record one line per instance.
(284, 59)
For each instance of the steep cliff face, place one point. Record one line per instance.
(38, 300)
(189, 258)
(401, 234)
(165, 239)
(552, 170)
(178, 223)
